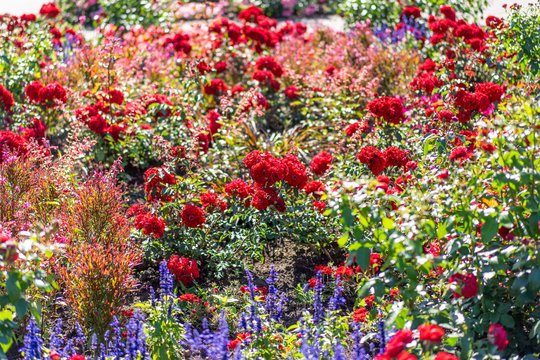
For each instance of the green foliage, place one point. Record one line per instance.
(23, 283)
(387, 12)
(523, 36)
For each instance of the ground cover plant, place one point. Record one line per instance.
(247, 188)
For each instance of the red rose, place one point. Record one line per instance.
(497, 336)
(431, 333)
(49, 10)
(321, 163)
(360, 315)
(389, 108)
(184, 269)
(193, 216)
(468, 285)
(373, 158)
(445, 356)
(398, 343)
(150, 225)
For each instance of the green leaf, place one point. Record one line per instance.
(441, 230)
(534, 279)
(388, 223)
(343, 239)
(362, 256)
(489, 229)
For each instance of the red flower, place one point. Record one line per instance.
(460, 153)
(203, 67)
(135, 210)
(493, 91)
(220, 66)
(265, 169)
(468, 285)
(431, 333)
(291, 92)
(411, 12)
(233, 344)
(212, 118)
(315, 187)
(193, 216)
(373, 158)
(395, 156)
(150, 225)
(238, 187)
(116, 96)
(49, 10)
(326, 270)
(35, 131)
(497, 336)
(445, 356)
(493, 22)
(250, 14)
(319, 205)
(375, 261)
(215, 86)
(404, 355)
(312, 282)
(330, 71)
(32, 90)
(187, 297)
(426, 82)
(360, 314)
(28, 17)
(209, 200)
(155, 181)
(13, 143)
(389, 108)
(448, 12)
(445, 115)
(184, 269)
(52, 95)
(180, 43)
(296, 172)
(369, 300)
(321, 162)
(6, 99)
(77, 357)
(351, 129)
(269, 63)
(397, 344)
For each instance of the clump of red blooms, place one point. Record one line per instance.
(377, 161)
(50, 95)
(185, 271)
(431, 333)
(13, 143)
(467, 285)
(266, 170)
(389, 108)
(49, 10)
(180, 43)
(357, 126)
(428, 333)
(448, 28)
(145, 221)
(6, 99)
(155, 182)
(395, 348)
